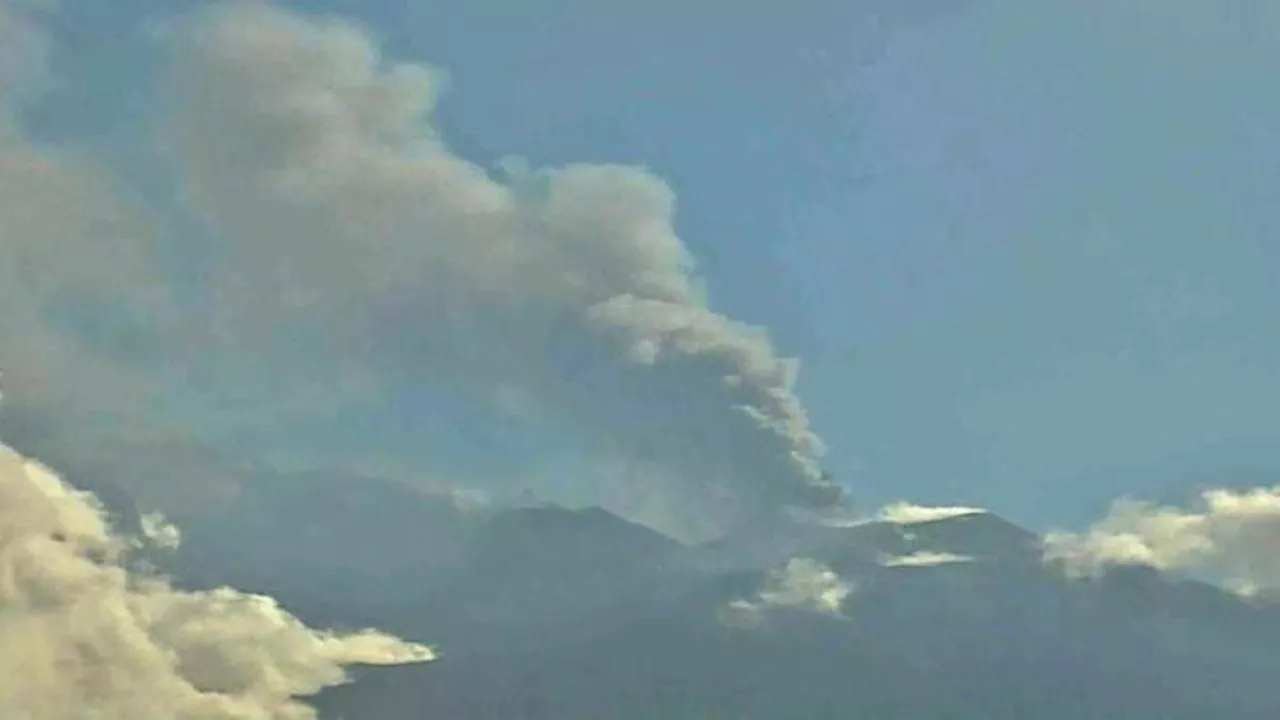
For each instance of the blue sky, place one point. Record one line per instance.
(1024, 250)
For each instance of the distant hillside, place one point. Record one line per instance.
(544, 612)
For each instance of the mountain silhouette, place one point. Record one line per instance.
(549, 612)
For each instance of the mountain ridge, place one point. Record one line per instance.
(552, 612)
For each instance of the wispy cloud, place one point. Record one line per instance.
(925, 558)
(905, 513)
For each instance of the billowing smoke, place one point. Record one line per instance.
(74, 252)
(345, 254)
(87, 636)
(23, 54)
(1230, 539)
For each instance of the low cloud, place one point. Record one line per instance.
(159, 532)
(897, 513)
(1231, 538)
(924, 558)
(803, 584)
(86, 635)
(905, 513)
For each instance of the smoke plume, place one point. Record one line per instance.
(335, 254)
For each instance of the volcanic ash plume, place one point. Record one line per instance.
(350, 243)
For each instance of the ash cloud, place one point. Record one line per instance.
(76, 245)
(347, 256)
(350, 245)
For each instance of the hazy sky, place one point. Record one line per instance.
(1023, 248)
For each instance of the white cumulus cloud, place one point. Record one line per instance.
(1232, 538)
(87, 636)
(802, 584)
